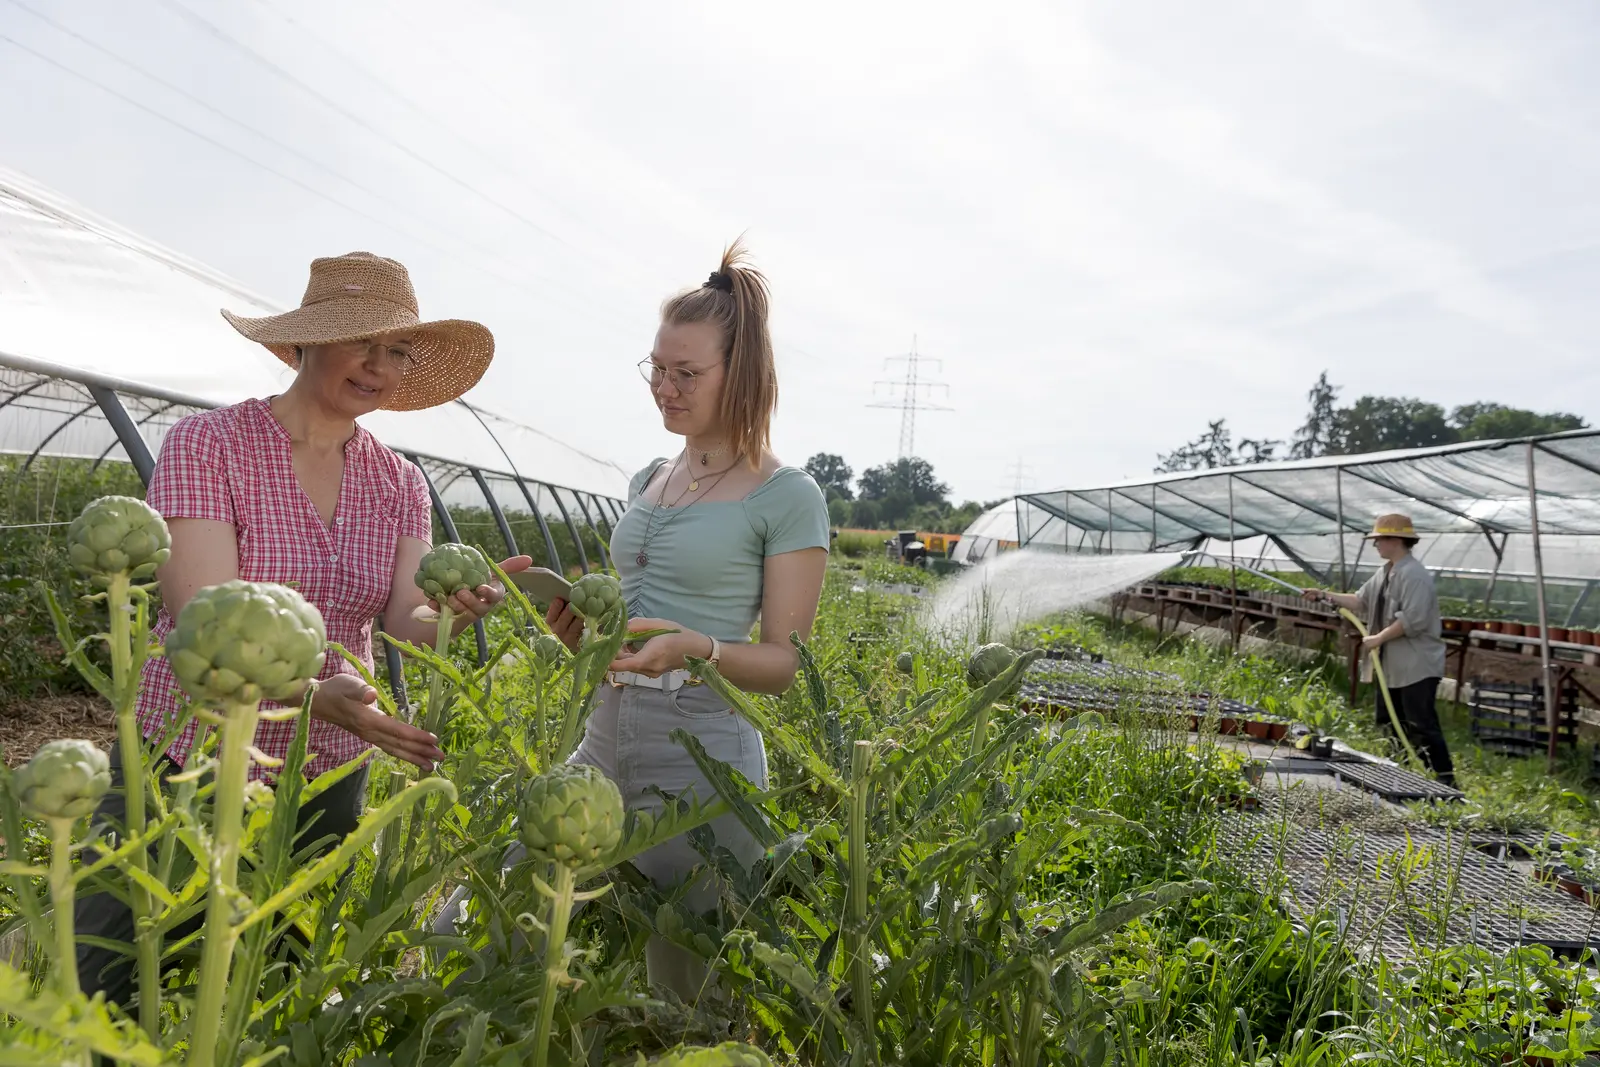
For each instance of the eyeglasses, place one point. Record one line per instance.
(684, 381)
(398, 355)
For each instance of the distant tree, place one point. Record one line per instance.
(911, 478)
(1253, 451)
(1376, 423)
(1214, 448)
(865, 514)
(833, 474)
(1315, 436)
(1490, 421)
(840, 511)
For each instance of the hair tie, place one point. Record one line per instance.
(719, 280)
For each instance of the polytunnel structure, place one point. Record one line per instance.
(107, 340)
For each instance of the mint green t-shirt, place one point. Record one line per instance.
(706, 560)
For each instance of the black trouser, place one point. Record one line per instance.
(1414, 705)
(103, 915)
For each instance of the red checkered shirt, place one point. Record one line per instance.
(235, 465)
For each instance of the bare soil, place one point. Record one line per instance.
(27, 724)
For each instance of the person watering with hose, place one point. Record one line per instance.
(1401, 610)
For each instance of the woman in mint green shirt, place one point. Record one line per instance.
(714, 539)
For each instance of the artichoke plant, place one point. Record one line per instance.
(727, 1054)
(547, 650)
(596, 597)
(245, 642)
(905, 663)
(450, 568)
(118, 536)
(572, 816)
(989, 663)
(64, 779)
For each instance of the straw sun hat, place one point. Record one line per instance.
(358, 295)
(1395, 525)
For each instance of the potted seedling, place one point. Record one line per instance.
(1319, 742)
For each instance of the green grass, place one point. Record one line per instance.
(984, 846)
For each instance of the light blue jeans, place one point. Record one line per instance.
(628, 738)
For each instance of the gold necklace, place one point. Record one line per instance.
(651, 529)
(705, 459)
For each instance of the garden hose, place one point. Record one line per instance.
(1383, 686)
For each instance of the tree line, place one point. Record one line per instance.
(1371, 424)
(902, 495)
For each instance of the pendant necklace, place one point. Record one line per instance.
(651, 528)
(706, 458)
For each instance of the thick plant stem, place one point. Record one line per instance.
(238, 730)
(125, 685)
(441, 645)
(555, 964)
(859, 942)
(62, 896)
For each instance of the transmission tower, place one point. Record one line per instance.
(911, 399)
(1021, 477)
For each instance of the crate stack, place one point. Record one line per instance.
(1510, 719)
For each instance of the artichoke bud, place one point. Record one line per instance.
(118, 536)
(64, 780)
(450, 568)
(905, 663)
(243, 642)
(596, 597)
(989, 663)
(572, 815)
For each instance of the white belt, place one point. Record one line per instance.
(668, 682)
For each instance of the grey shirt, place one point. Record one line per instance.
(1410, 597)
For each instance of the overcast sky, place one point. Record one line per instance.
(1110, 221)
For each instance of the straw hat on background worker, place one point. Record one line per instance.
(361, 295)
(1394, 525)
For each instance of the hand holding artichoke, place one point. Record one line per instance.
(596, 597)
(450, 568)
(244, 642)
(118, 535)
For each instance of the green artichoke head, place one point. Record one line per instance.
(596, 597)
(989, 663)
(118, 535)
(64, 780)
(572, 815)
(450, 568)
(547, 650)
(727, 1054)
(244, 642)
(905, 663)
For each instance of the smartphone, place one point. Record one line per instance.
(542, 585)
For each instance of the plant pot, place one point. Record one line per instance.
(1494, 626)
(1257, 730)
(1531, 629)
(1583, 637)
(1452, 626)
(1321, 748)
(1512, 629)
(1277, 731)
(1228, 726)
(1559, 633)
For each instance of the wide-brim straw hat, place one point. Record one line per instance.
(1395, 525)
(361, 295)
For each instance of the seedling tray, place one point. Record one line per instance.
(1449, 893)
(1394, 783)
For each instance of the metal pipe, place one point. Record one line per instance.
(1152, 517)
(1552, 713)
(583, 553)
(1583, 598)
(1338, 502)
(1494, 575)
(449, 525)
(494, 509)
(605, 557)
(544, 528)
(133, 444)
(1233, 567)
(1109, 523)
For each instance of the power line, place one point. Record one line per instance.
(519, 286)
(911, 398)
(241, 124)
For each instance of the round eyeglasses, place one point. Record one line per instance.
(684, 381)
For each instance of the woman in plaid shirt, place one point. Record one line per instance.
(291, 490)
